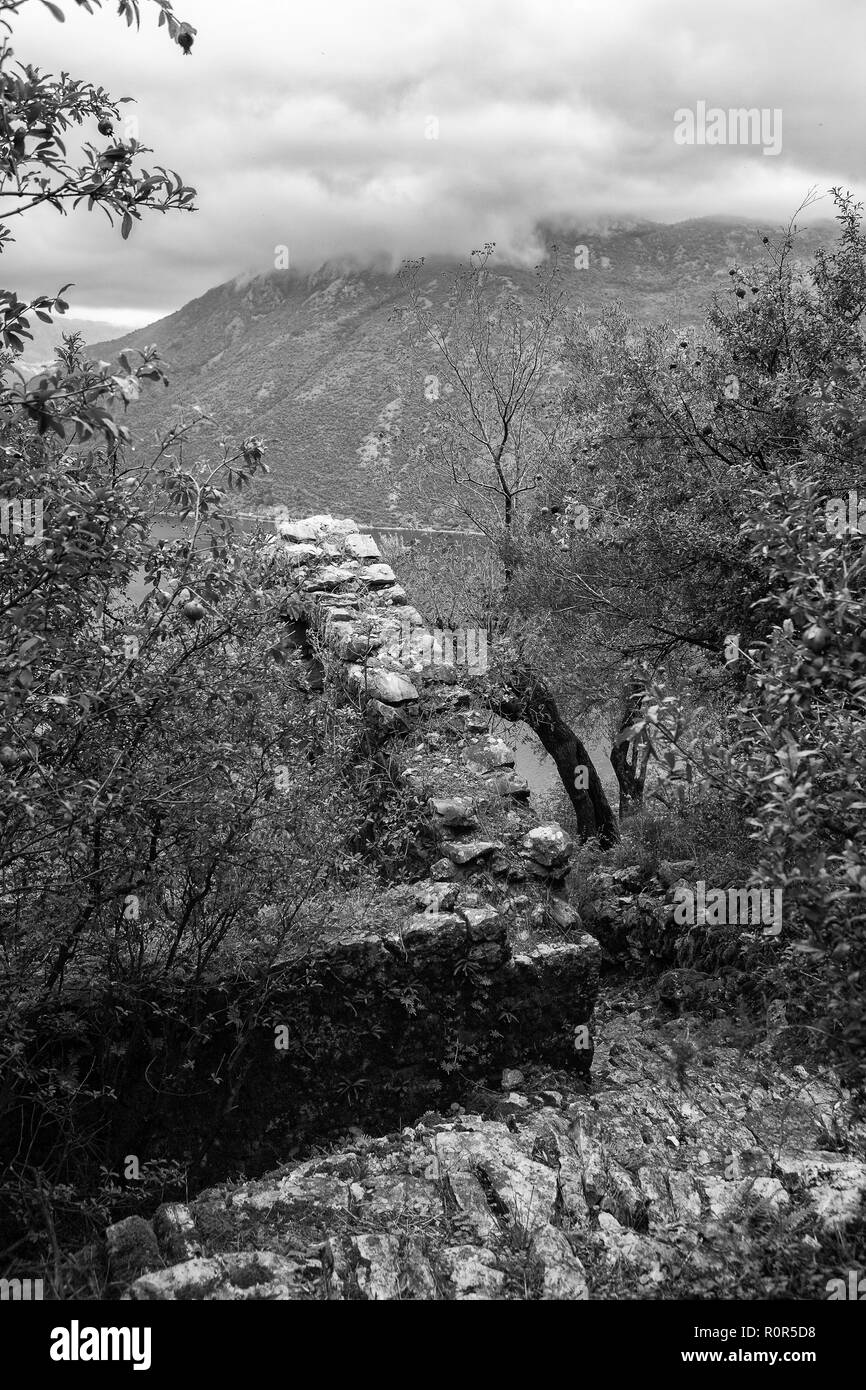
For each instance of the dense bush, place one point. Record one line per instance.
(783, 747)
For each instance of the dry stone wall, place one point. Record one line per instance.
(475, 964)
(493, 871)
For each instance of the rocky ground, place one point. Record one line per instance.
(683, 1168)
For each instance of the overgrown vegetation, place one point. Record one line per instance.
(175, 806)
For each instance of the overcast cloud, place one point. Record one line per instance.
(307, 125)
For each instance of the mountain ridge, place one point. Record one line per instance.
(316, 362)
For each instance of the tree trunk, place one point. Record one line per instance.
(509, 518)
(631, 777)
(628, 761)
(529, 700)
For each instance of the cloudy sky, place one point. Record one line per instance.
(421, 126)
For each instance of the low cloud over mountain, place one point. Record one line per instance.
(414, 129)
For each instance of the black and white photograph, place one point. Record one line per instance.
(432, 676)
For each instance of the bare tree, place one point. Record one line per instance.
(496, 416)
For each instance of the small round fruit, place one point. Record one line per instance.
(816, 637)
(194, 612)
(9, 757)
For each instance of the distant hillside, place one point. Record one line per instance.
(48, 337)
(314, 363)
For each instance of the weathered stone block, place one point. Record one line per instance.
(376, 575)
(548, 846)
(388, 686)
(330, 577)
(486, 754)
(483, 922)
(362, 547)
(471, 851)
(455, 812)
(300, 554)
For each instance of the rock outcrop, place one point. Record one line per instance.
(644, 1187)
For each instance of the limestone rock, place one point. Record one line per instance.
(313, 528)
(362, 547)
(834, 1183)
(424, 928)
(553, 1098)
(471, 850)
(508, 784)
(300, 554)
(480, 921)
(455, 812)
(390, 717)
(330, 577)
(299, 532)
(338, 610)
(471, 1202)
(442, 869)
(377, 1268)
(241, 1276)
(355, 646)
(387, 686)
(685, 1195)
(563, 916)
(486, 754)
(376, 575)
(334, 526)
(388, 1268)
(562, 1274)
(548, 846)
(556, 915)
(471, 1272)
